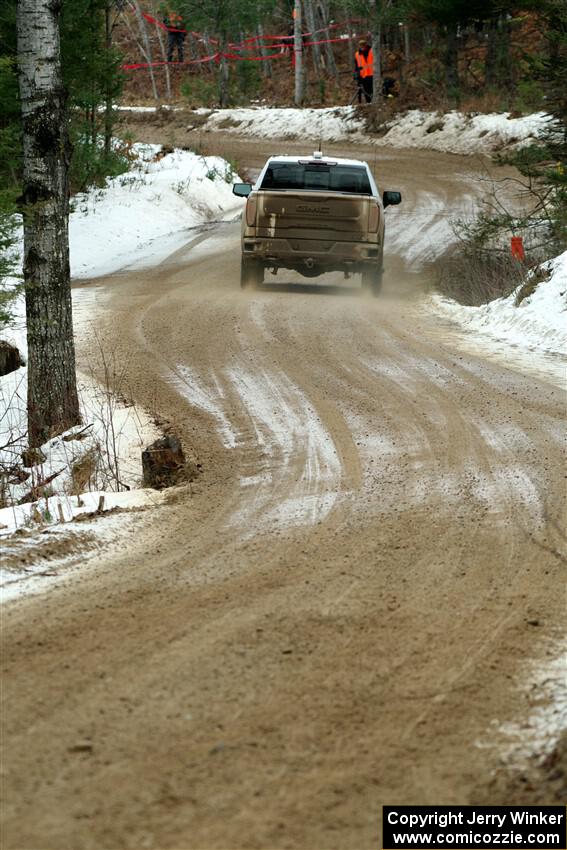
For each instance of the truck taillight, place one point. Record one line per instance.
(251, 211)
(373, 218)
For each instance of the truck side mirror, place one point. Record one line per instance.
(242, 190)
(390, 199)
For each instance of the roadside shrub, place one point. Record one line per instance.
(473, 279)
(529, 97)
(248, 79)
(199, 91)
(91, 165)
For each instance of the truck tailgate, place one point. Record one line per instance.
(310, 215)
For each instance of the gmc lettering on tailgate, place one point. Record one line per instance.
(305, 208)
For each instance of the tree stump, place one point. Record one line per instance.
(163, 463)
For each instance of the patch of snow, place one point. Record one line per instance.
(62, 508)
(332, 124)
(456, 132)
(539, 321)
(545, 685)
(453, 132)
(148, 109)
(296, 447)
(139, 218)
(148, 212)
(296, 451)
(28, 574)
(109, 445)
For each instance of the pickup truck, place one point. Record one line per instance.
(313, 214)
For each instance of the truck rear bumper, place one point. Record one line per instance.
(308, 254)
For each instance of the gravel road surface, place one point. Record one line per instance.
(338, 613)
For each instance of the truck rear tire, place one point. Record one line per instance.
(372, 280)
(251, 273)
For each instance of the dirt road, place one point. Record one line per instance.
(339, 613)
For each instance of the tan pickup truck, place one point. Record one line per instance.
(313, 214)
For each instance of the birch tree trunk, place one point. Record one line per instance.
(350, 46)
(323, 9)
(298, 53)
(266, 64)
(163, 51)
(407, 46)
(147, 48)
(224, 72)
(376, 24)
(194, 52)
(53, 404)
(310, 20)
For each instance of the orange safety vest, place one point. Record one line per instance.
(365, 63)
(173, 21)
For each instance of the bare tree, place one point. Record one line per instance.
(323, 11)
(163, 52)
(298, 53)
(266, 64)
(53, 404)
(145, 44)
(310, 20)
(375, 9)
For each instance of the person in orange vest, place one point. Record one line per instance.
(175, 35)
(364, 70)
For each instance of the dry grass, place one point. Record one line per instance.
(83, 471)
(476, 279)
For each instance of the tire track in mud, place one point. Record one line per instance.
(287, 457)
(474, 465)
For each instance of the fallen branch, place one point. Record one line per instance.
(35, 493)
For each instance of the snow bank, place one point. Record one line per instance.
(539, 321)
(109, 457)
(454, 132)
(139, 217)
(331, 125)
(64, 508)
(147, 212)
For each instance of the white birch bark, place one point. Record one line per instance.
(52, 387)
(310, 20)
(266, 64)
(147, 49)
(376, 24)
(407, 48)
(323, 9)
(224, 72)
(163, 51)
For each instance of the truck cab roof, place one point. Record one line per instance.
(312, 172)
